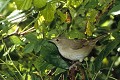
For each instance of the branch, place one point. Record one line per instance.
(14, 33)
(32, 29)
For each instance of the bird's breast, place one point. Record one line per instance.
(71, 54)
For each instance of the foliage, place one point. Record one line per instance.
(26, 26)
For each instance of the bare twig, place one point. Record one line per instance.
(14, 33)
(32, 29)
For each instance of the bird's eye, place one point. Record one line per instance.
(57, 40)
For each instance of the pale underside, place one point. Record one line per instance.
(74, 55)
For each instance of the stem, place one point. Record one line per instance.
(111, 67)
(14, 65)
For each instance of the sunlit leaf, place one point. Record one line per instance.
(92, 15)
(23, 4)
(16, 40)
(39, 3)
(89, 29)
(49, 12)
(1, 47)
(75, 3)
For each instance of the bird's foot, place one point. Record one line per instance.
(74, 65)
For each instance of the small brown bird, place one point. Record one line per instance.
(75, 49)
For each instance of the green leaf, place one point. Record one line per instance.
(1, 47)
(62, 16)
(75, 3)
(114, 10)
(92, 15)
(23, 4)
(50, 54)
(38, 45)
(49, 12)
(118, 25)
(29, 48)
(59, 70)
(91, 4)
(16, 40)
(3, 4)
(104, 53)
(31, 37)
(89, 28)
(39, 3)
(76, 34)
(42, 65)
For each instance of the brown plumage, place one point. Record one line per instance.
(75, 49)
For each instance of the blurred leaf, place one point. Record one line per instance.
(16, 40)
(23, 4)
(62, 16)
(42, 65)
(10, 49)
(31, 37)
(76, 34)
(1, 47)
(3, 4)
(59, 70)
(39, 3)
(115, 10)
(50, 54)
(75, 3)
(104, 53)
(92, 4)
(88, 29)
(92, 13)
(29, 48)
(118, 25)
(49, 11)
(38, 45)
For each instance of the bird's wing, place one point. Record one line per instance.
(77, 44)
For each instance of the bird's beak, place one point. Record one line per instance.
(51, 41)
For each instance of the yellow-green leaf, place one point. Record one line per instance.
(15, 40)
(48, 12)
(88, 29)
(23, 4)
(39, 3)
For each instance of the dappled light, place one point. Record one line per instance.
(59, 39)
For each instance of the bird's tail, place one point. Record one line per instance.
(99, 38)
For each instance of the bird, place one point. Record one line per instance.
(73, 49)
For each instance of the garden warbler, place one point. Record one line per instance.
(75, 49)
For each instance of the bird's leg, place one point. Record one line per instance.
(74, 68)
(74, 65)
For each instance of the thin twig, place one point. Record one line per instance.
(32, 29)
(111, 67)
(14, 33)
